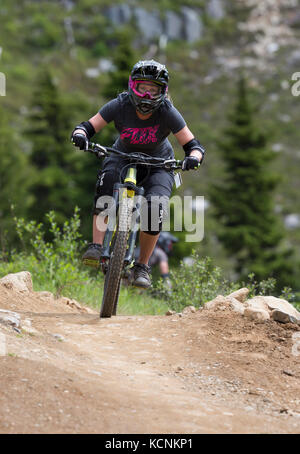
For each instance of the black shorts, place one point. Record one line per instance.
(156, 182)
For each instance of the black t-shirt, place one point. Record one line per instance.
(147, 136)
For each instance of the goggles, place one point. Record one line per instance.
(146, 89)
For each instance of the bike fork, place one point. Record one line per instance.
(135, 227)
(105, 252)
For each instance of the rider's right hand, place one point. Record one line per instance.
(80, 141)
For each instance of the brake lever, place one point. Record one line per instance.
(96, 146)
(172, 164)
(96, 149)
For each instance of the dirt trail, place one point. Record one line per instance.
(208, 372)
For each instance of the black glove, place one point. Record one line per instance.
(190, 162)
(80, 141)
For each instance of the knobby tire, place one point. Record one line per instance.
(114, 272)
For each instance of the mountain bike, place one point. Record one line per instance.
(122, 227)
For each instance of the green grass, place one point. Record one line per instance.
(88, 290)
(132, 301)
(140, 302)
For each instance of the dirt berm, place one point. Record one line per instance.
(66, 371)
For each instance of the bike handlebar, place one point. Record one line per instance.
(136, 158)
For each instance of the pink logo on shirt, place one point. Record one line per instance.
(140, 135)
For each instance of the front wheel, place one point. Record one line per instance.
(114, 272)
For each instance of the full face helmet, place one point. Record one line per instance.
(147, 101)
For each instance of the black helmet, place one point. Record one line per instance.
(152, 71)
(165, 241)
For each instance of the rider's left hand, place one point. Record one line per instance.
(80, 141)
(190, 162)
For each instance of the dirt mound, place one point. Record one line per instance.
(202, 372)
(37, 302)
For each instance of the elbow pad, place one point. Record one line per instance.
(193, 144)
(87, 127)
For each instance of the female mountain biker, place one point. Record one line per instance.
(144, 117)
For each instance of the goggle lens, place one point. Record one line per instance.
(146, 88)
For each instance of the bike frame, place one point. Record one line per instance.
(128, 189)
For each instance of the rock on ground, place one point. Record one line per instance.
(259, 308)
(225, 302)
(20, 282)
(257, 314)
(46, 295)
(240, 295)
(74, 304)
(282, 317)
(189, 310)
(10, 318)
(270, 303)
(218, 303)
(170, 312)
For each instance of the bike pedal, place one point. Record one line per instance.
(92, 263)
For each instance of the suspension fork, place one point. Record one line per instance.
(139, 192)
(105, 252)
(135, 192)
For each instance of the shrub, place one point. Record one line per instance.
(55, 265)
(195, 284)
(202, 281)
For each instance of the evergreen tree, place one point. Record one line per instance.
(251, 232)
(52, 156)
(123, 61)
(14, 179)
